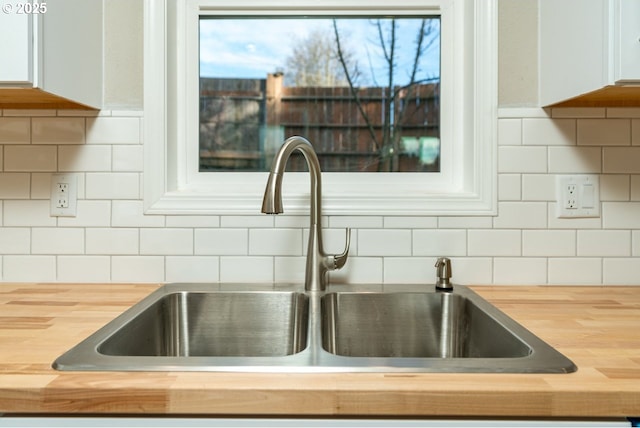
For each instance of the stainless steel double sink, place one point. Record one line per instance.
(199, 327)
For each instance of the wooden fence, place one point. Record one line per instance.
(244, 121)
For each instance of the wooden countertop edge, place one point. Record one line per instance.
(37, 388)
(293, 402)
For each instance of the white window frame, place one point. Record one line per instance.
(466, 184)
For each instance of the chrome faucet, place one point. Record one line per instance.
(318, 262)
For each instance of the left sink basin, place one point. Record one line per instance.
(216, 325)
(175, 326)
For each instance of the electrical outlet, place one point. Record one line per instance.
(577, 196)
(64, 195)
(569, 196)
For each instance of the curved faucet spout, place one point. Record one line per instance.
(317, 264)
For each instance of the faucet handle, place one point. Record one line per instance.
(339, 260)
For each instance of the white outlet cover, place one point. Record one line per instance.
(585, 202)
(70, 208)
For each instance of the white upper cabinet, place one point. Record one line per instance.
(16, 54)
(627, 43)
(589, 52)
(51, 54)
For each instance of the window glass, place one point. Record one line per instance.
(365, 91)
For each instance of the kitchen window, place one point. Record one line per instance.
(182, 149)
(364, 90)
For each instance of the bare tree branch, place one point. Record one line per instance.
(353, 88)
(393, 102)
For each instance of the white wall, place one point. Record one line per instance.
(112, 241)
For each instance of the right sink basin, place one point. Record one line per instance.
(414, 325)
(412, 329)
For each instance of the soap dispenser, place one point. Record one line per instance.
(443, 274)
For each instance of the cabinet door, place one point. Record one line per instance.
(628, 49)
(16, 54)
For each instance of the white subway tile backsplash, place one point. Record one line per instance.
(246, 269)
(520, 270)
(84, 269)
(288, 221)
(221, 241)
(335, 241)
(409, 270)
(621, 271)
(635, 187)
(457, 222)
(359, 270)
(137, 269)
(166, 241)
(575, 160)
(604, 132)
(472, 270)
(514, 159)
(115, 241)
(275, 242)
(635, 243)
(614, 187)
(30, 213)
(83, 113)
(113, 130)
(28, 268)
(578, 112)
(386, 242)
(575, 271)
(437, 243)
(621, 160)
(357, 222)
(57, 130)
(494, 242)
(604, 243)
(15, 130)
(28, 112)
(41, 185)
(192, 269)
(401, 222)
(89, 214)
(538, 187)
(191, 220)
(549, 243)
(15, 240)
(112, 240)
(249, 221)
(57, 240)
(127, 158)
(622, 112)
(509, 187)
(119, 185)
(571, 223)
(521, 215)
(548, 132)
(131, 214)
(15, 185)
(30, 158)
(290, 270)
(510, 132)
(621, 215)
(84, 158)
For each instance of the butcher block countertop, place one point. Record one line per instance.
(596, 327)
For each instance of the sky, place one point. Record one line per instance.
(251, 48)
